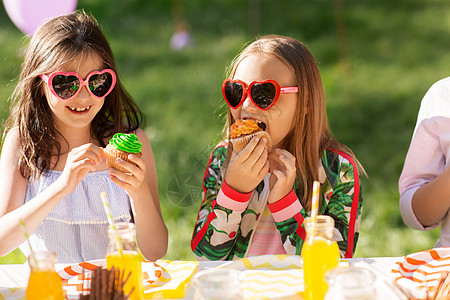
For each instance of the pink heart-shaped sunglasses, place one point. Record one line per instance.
(66, 86)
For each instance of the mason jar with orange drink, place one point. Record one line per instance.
(123, 254)
(44, 282)
(320, 253)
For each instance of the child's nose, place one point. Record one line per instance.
(84, 93)
(248, 103)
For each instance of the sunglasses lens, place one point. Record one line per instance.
(263, 94)
(233, 93)
(100, 84)
(65, 86)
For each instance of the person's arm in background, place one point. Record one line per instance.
(424, 184)
(425, 181)
(431, 202)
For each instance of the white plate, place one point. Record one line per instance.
(266, 262)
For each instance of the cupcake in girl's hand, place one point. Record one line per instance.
(243, 131)
(120, 146)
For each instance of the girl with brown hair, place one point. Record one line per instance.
(68, 104)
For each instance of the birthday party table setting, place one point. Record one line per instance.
(258, 277)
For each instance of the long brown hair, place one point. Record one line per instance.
(56, 44)
(311, 134)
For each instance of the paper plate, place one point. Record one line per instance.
(270, 276)
(423, 269)
(76, 278)
(266, 262)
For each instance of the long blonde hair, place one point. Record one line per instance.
(311, 134)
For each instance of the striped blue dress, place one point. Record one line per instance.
(76, 229)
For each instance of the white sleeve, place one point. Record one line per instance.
(426, 157)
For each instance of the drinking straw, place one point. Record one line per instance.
(111, 221)
(24, 229)
(315, 201)
(314, 206)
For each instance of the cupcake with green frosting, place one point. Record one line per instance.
(120, 146)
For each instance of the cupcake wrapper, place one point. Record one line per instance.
(112, 153)
(241, 142)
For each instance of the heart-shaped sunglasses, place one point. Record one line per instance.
(65, 86)
(263, 94)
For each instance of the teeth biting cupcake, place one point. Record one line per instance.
(120, 146)
(243, 131)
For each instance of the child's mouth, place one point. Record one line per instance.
(261, 124)
(79, 109)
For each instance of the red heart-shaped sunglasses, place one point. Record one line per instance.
(263, 94)
(65, 86)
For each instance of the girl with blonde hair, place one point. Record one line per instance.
(255, 201)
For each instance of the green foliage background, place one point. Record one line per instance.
(377, 59)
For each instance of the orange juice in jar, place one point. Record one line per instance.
(128, 258)
(44, 282)
(320, 254)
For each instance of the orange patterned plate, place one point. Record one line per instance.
(423, 269)
(76, 277)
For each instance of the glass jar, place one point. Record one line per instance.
(212, 284)
(123, 254)
(350, 283)
(44, 282)
(320, 253)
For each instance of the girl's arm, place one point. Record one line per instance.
(283, 203)
(216, 225)
(14, 186)
(224, 200)
(342, 201)
(288, 215)
(142, 187)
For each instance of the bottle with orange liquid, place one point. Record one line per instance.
(320, 253)
(44, 282)
(123, 253)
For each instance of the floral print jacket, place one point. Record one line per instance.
(227, 218)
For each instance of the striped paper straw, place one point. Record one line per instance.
(111, 220)
(24, 229)
(315, 201)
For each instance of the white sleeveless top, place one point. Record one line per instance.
(76, 229)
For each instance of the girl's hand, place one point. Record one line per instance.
(132, 181)
(80, 161)
(283, 169)
(247, 168)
